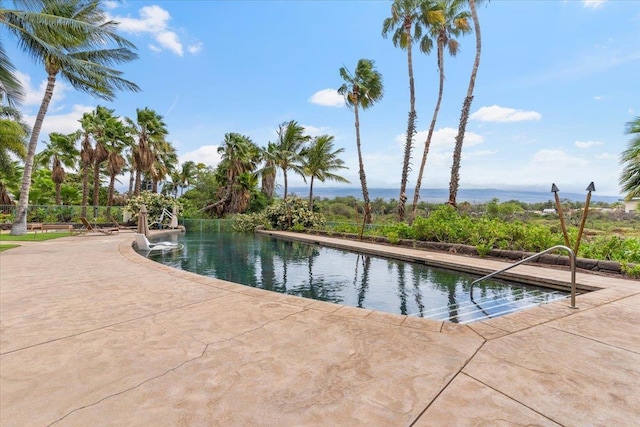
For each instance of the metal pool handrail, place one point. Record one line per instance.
(572, 258)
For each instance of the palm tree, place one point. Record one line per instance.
(83, 56)
(151, 132)
(268, 171)
(103, 119)
(186, 175)
(240, 156)
(455, 23)
(319, 160)
(362, 89)
(630, 158)
(13, 135)
(59, 151)
(466, 106)
(117, 137)
(86, 156)
(291, 140)
(408, 16)
(165, 162)
(10, 88)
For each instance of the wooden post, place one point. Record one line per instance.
(554, 190)
(590, 188)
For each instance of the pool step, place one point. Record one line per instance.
(488, 307)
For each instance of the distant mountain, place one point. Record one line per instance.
(441, 195)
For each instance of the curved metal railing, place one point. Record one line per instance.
(572, 258)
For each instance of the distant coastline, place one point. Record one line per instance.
(440, 195)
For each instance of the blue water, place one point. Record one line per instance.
(348, 278)
(441, 195)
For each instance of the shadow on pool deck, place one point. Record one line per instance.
(91, 333)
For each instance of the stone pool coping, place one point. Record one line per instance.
(92, 333)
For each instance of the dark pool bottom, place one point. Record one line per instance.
(349, 278)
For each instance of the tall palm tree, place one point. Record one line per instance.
(83, 57)
(117, 138)
(103, 120)
(86, 156)
(466, 107)
(407, 17)
(630, 158)
(186, 175)
(362, 89)
(165, 162)
(151, 131)
(268, 171)
(319, 160)
(13, 134)
(60, 151)
(291, 140)
(455, 23)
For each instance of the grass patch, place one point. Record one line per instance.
(32, 237)
(7, 247)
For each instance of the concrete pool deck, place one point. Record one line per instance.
(92, 333)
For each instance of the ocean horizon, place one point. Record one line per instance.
(441, 195)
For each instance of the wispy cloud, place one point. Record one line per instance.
(587, 144)
(327, 98)
(207, 154)
(154, 21)
(63, 123)
(593, 4)
(314, 131)
(496, 113)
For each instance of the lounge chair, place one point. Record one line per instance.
(122, 227)
(144, 244)
(91, 228)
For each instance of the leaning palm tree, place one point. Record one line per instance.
(466, 107)
(291, 140)
(455, 23)
(362, 89)
(319, 160)
(407, 17)
(83, 57)
(59, 152)
(630, 158)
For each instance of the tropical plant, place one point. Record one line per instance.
(13, 135)
(362, 89)
(407, 17)
(292, 214)
(466, 107)
(151, 131)
(186, 175)
(291, 140)
(268, 171)
(59, 152)
(454, 24)
(83, 56)
(86, 156)
(240, 156)
(118, 137)
(630, 159)
(320, 160)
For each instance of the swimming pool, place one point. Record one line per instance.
(349, 278)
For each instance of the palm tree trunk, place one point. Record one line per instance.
(363, 177)
(85, 188)
(58, 194)
(432, 126)
(137, 184)
(96, 184)
(466, 106)
(311, 194)
(19, 226)
(131, 180)
(285, 184)
(112, 184)
(411, 130)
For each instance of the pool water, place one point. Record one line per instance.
(349, 278)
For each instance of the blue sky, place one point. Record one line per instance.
(557, 82)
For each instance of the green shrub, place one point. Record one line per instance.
(292, 214)
(247, 223)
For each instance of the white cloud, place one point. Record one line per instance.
(607, 156)
(443, 139)
(586, 144)
(551, 159)
(154, 21)
(195, 48)
(33, 96)
(314, 131)
(110, 4)
(496, 113)
(63, 123)
(593, 4)
(207, 154)
(598, 98)
(327, 98)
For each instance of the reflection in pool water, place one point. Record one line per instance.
(349, 278)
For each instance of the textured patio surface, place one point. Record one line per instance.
(93, 334)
